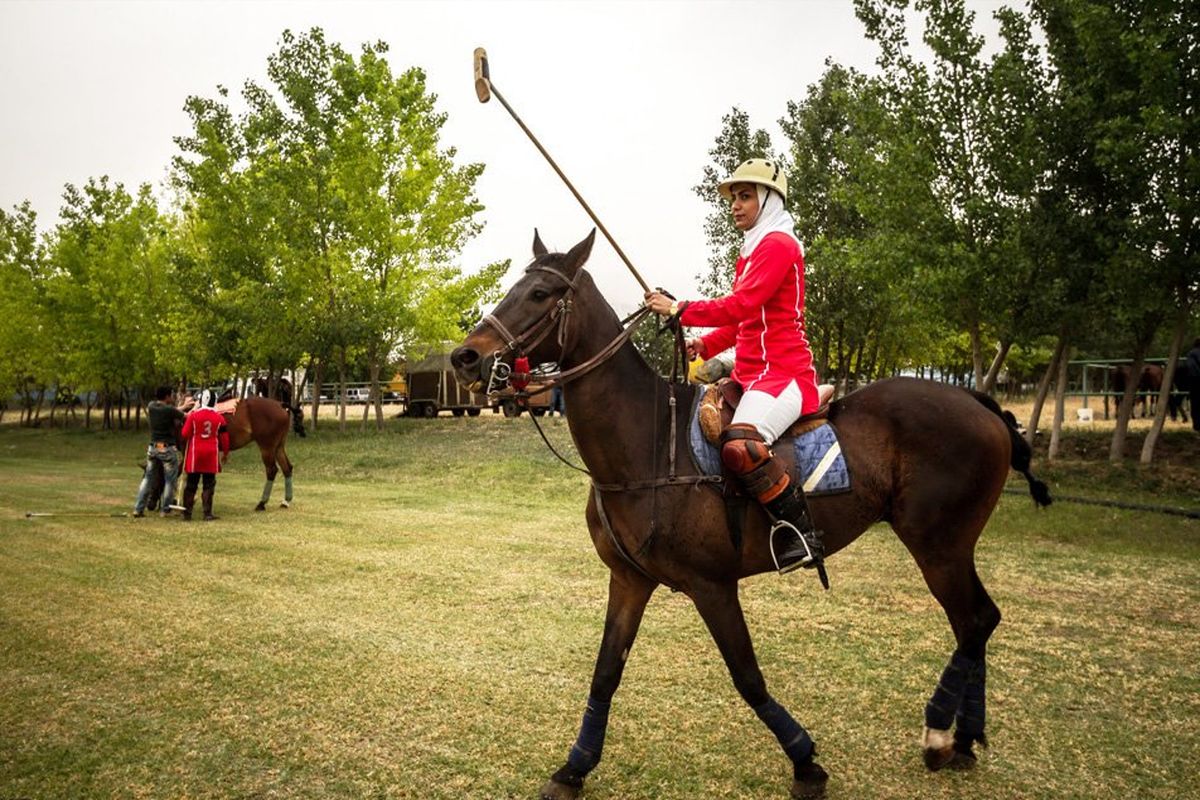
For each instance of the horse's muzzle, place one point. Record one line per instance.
(469, 367)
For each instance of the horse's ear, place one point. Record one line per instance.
(578, 254)
(539, 249)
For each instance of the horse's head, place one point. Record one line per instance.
(532, 321)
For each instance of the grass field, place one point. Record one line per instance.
(423, 623)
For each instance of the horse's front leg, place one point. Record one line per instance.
(718, 604)
(628, 594)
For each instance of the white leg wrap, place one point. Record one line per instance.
(934, 739)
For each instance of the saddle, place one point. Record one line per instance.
(721, 400)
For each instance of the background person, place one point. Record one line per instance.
(205, 433)
(1193, 369)
(763, 319)
(162, 452)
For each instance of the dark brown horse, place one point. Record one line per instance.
(929, 459)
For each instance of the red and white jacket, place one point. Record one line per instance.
(764, 320)
(205, 433)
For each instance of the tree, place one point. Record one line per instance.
(337, 208)
(107, 291)
(26, 338)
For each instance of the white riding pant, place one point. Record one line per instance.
(770, 415)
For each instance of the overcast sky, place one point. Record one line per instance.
(627, 97)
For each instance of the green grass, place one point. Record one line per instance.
(423, 624)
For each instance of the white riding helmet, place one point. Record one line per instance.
(758, 171)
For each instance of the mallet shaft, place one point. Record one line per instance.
(484, 89)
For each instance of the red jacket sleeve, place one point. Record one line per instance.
(223, 436)
(719, 341)
(767, 267)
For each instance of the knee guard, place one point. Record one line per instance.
(744, 452)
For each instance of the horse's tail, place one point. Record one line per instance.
(297, 413)
(1022, 453)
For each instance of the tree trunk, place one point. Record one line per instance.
(37, 416)
(1060, 400)
(976, 353)
(316, 367)
(993, 373)
(342, 389)
(1164, 393)
(1116, 451)
(377, 393)
(1044, 388)
(87, 415)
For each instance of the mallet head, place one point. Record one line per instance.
(483, 83)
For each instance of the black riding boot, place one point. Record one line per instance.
(189, 500)
(795, 540)
(206, 497)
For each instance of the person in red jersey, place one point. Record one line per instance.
(205, 433)
(762, 318)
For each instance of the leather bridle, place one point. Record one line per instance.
(520, 345)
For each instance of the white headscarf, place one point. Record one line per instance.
(207, 399)
(772, 217)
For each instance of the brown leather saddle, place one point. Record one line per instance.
(721, 399)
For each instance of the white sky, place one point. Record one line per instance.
(626, 96)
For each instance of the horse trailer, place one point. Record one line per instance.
(432, 388)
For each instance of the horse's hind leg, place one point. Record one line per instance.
(961, 692)
(268, 459)
(628, 594)
(285, 464)
(722, 613)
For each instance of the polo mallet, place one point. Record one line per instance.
(36, 514)
(484, 89)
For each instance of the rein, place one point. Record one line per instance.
(556, 317)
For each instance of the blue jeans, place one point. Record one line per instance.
(169, 458)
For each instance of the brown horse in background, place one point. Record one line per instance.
(929, 459)
(265, 422)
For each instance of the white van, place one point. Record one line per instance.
(358, 395)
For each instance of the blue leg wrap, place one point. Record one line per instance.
(268, 485)
(792, 737)
(585, 753)
(942, 707)
(972, 711)
(287, 488)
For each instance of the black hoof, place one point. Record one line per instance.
(553, 790)
(938, 757)
(810, 781)
(261, 507)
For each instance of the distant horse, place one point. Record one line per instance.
(1149, 383)
(929, 459)
(259, 420)
(265, 422)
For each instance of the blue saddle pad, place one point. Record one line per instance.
(816, 450)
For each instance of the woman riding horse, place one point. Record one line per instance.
(929, 459)
(764, 320)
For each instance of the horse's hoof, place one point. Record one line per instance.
(810, 782)
(261, 507)
(938, 746)
(285, 504)
(553, 790)
(938, 757)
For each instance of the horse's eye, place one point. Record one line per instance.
(539, 295)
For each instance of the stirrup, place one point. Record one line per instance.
(810, 559)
